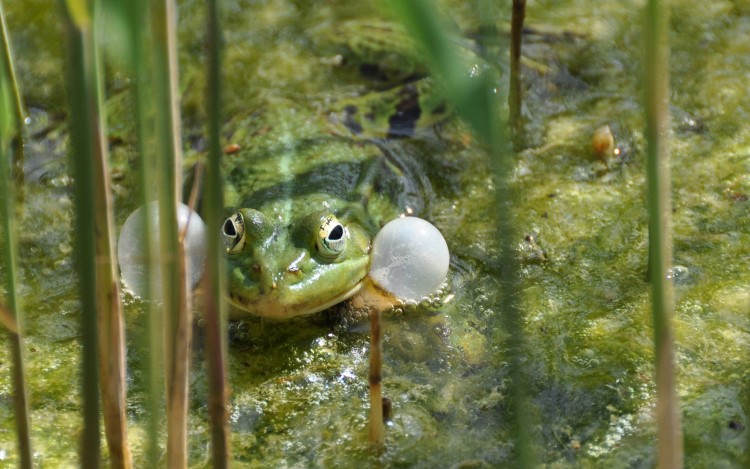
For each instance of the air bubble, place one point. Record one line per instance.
(133, 265)
(409, 258)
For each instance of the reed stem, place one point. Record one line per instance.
(152, 343)
(110, 322)
(96, 218)
(660, 241)
(177, 317)
(11, 316)
(19, 112)
(479, 107)
(377, 427)
(214, 308)
(84, 140)
(515, 94)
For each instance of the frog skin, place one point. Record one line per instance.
(301, 216)
(403, 98)
(309, 190)
(279, 270)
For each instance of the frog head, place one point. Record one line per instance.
(279, 271)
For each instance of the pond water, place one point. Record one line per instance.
(299, 388)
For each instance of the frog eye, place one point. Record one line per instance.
(233, 233)
(331, 239)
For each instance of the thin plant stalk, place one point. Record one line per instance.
(214, 308)
(109, 305)
(509, 274)
(377, 427)
(82, 91)
(474, 101)
(18, 108)
(669, 437)
(11, 316)
(515, 94)
(152, 343)
(177, 315)
(106, 291)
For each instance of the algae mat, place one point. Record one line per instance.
(299, 394)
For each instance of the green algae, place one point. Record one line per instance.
(299, 395)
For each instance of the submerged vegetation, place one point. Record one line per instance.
(542, 348)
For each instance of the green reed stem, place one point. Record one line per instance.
(90, 150)
(153, 343)
(515, 94)
(111, 327)
(177, 318)
(84, 141)
(660, 240)
(214, 308)
(19, 113)
(8, 128)
(478, 106)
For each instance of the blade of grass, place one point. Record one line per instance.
(514, 98)
(174, 292)
(19, 113)
(476, 103)
(111, 328)
(660, 240)
(83, 141)
(214, 308)
(92, 151)
(10, 316)
(152, 344)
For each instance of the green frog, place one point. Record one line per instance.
(311, 188)
(303, 207)
(298, 240)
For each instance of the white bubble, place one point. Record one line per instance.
(130, 252)
(409, 258)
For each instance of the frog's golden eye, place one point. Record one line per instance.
(233, 233)
(331, 239)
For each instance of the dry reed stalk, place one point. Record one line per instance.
(177, 313)
(377, 427)
(669, 436)
(178, 370)
(214, 309)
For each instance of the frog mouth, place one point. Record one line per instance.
(275, 311)
(338, 299)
